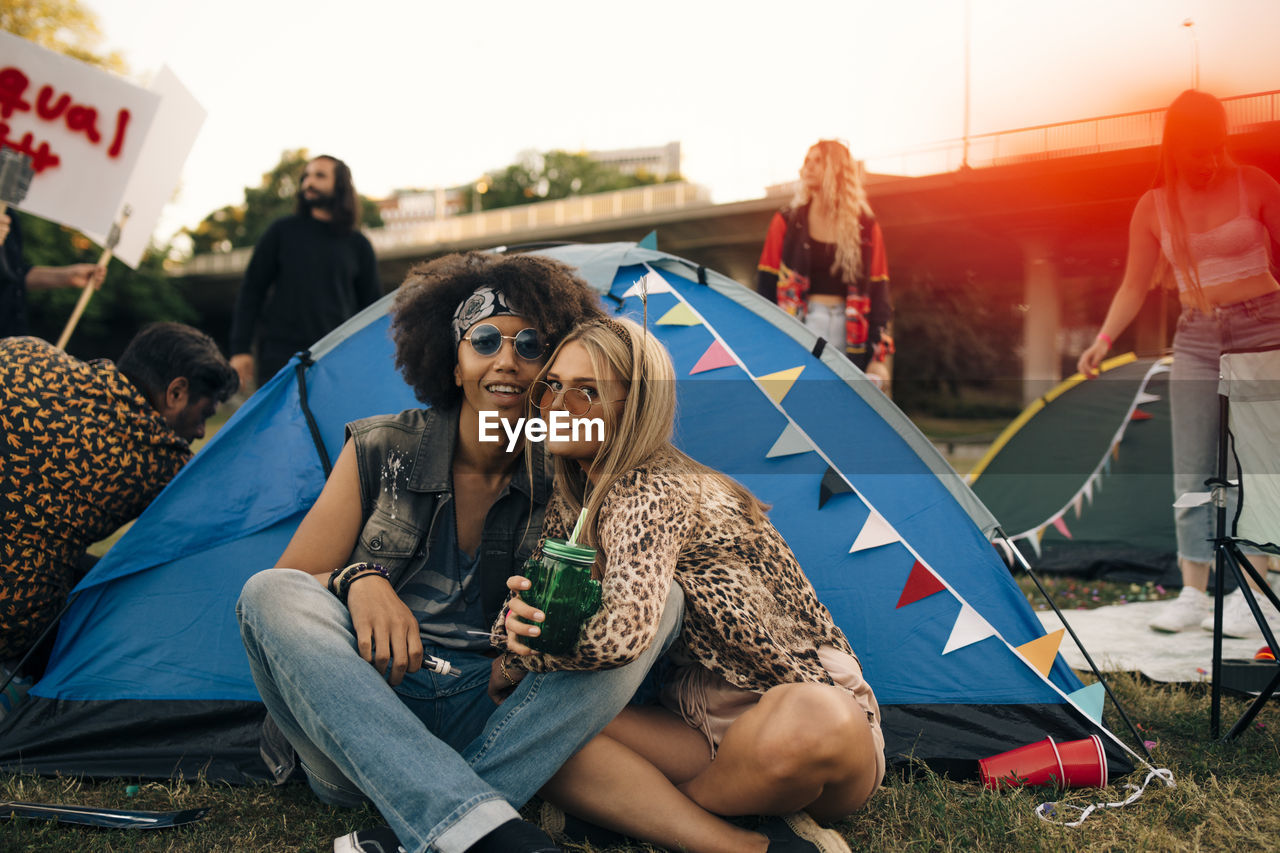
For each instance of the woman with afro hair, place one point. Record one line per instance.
(369, 641)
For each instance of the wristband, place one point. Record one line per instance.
(341, 584)
(1105, 338)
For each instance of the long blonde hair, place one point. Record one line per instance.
(1194, 118)
(642, 429)
(842, 189)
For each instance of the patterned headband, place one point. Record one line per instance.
(481, 305)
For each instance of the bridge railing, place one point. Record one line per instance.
(1064, 139)
(504, 224)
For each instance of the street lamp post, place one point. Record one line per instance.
(1195, 52)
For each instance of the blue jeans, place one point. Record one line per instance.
(441, 762)
(1193, 398)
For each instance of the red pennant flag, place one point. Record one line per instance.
(1061, 524)
(921, 583)
(1139, 415)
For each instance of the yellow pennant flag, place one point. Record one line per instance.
(1040, 653)
(776, 385)
(681, 315)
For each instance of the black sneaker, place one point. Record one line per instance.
(380, 839)
(799, 833)
(515, 836)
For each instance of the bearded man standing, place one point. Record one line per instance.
(308, 274)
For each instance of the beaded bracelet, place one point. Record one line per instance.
(340, 581)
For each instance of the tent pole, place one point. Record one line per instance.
(1093, 666)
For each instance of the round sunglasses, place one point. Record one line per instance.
(486, 339)
(578, 401)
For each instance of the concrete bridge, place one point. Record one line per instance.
(1038, 216)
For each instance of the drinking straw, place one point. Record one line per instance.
(577, 528)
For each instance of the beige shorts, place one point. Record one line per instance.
(710, 704)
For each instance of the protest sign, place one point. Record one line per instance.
(83, 129)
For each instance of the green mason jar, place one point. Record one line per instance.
(563, 589)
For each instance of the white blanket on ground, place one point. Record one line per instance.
(1118, 638)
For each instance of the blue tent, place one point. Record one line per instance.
(148, 677)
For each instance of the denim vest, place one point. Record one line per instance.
(405, 464)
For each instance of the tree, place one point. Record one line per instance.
(236, 226)
(64, 26)
(558, 174)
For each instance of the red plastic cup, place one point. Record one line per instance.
(1084, 762)
(1034, 764)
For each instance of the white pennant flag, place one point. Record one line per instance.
(875, 532)
(651, 283)
(1034, 538)
(1146, 397)
(791, 442)
(969, 629)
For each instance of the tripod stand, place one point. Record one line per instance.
(1226, 548)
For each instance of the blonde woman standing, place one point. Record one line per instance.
(1211, 222)
(824, 260)
(766, 711)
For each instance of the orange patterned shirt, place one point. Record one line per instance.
(82, 452)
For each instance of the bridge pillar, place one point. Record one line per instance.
(1041, 361)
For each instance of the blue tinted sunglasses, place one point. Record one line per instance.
(486, 339)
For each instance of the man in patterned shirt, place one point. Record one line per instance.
(84, 447)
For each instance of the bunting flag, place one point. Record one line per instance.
(1088, 491)
(1089, 699)
(921, 583)
(1040, 653)
(1034, 541)
(650, 283)
(1147, 397)
(791, 442)
(969, 628)
(1061, 526)
(1078, 504)
(714, 358)
(874, 533)
(776, 385)
(1139, 415)
(832, 484)
(680, 315)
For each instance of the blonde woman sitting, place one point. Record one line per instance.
(766, 712)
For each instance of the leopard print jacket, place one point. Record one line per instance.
(751, 615)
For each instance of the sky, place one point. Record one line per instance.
(426, 93)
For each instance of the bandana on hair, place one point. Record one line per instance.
(481, 305)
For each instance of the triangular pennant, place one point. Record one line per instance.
(1034, 540)
(1061, 526)
(1106, 467)
(921, 583)
(791, 442)
(1139, 415)
(776, 385)
(680, 315)
(1040, 653)
(1089, 699)
(1078, 504)
(649, 241)
(832, 484)
(649, 283)
(968, 629)
(1115, 451)
(876, 531)
(1146, 397)
(714, 358)
(1088, 490)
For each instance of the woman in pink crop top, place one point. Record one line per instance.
(1210, 223)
